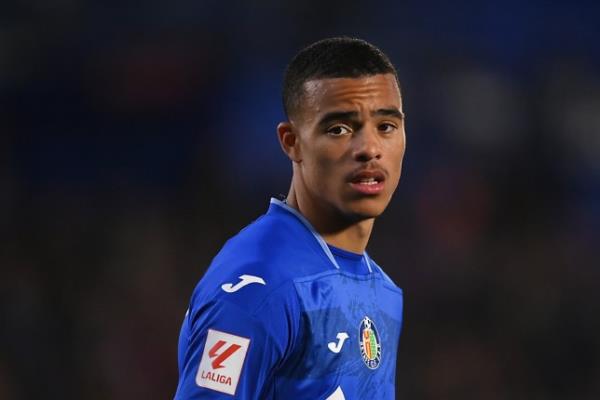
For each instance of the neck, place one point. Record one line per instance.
(336, 230)
(354, 238)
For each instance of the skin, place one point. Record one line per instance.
(345, 127)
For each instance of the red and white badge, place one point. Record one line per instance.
(222, 361)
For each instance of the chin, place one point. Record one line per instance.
(366, 208)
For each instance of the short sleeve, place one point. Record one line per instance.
(229, 354)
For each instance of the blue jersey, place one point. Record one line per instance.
(279, 315)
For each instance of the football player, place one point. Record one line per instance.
(293, 307)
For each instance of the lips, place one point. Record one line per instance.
(369, 182)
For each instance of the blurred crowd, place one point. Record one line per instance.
(135, 139)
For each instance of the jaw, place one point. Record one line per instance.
(365, 207)
(341, 220)
(342, 203)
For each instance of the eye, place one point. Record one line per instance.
(387, 127)
(338, 130)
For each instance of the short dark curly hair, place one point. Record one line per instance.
(337, 57)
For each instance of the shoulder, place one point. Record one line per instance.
(255, 269)
(249, 287)
(388, 282)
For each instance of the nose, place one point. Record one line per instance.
(367, 145)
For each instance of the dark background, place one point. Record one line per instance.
(136, 137)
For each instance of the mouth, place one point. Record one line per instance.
(369, 182)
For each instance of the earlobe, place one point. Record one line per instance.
(288, 140)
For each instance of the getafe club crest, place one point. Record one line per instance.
(370, 344)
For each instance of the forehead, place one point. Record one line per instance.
(370, 92)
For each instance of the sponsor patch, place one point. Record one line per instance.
(244, 281)
(222, 361)
(369, 342)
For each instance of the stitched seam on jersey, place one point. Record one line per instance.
(292, 343)
(250, 315)
(393, 288)
(268, 295)
(361, 277)
(388, 282)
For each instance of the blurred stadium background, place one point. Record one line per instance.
(136, 137)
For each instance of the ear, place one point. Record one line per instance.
(288, 139)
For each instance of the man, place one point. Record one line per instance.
(292, 307)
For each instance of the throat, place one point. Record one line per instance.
(353, 238)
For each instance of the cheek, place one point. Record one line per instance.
(325, 158)
(396, 151)
(396, 156)
(324, 171)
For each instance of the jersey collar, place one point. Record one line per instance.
(283, 205)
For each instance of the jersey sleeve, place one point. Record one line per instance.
(227, 354)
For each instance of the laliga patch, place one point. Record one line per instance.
(222, 361)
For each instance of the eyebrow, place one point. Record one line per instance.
(390, 112)
(349, 115)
